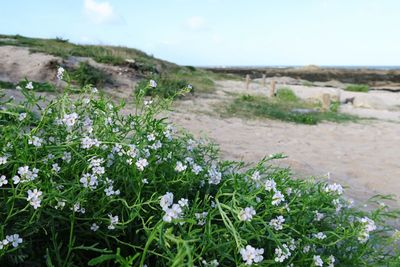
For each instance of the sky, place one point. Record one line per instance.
(221, 32)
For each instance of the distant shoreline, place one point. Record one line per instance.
(349, 67)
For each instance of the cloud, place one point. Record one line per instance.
(196, 23)
(100, 12)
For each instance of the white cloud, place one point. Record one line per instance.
(196, 23)
(100, 12)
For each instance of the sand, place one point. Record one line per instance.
(362, 155)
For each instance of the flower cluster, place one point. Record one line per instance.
(250, 254)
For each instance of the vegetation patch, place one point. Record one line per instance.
(286, 107)
(81, 184)
(7, 85)
(36, 86)
(87, 74)
(357, 88)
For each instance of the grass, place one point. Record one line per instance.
(82, 184)
(357, 88)
(7, 85)
(285, 107)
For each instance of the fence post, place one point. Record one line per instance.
(272, 89)
(263, 81)
(326, 102)
(247, 81)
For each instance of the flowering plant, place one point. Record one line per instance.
(81, 183)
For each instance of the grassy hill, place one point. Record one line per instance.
(147, 65)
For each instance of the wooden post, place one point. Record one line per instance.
(326, 102)
(272, 89)
(263, 81)
(247, 81)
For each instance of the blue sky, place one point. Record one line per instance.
(222, 32)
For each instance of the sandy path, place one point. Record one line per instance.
(364, 156)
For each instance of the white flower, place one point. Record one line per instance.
(113, 221)
(36, 141)
(174, 212)
(318, 261)
(180, 167)
(16, 179)
(56, 168)
(70, 119)
(196, 169)
(94, 227)
(153, 83)
(145, 181)
(110, 191)
(60, 205)
(368, 226)
(215, 176)
(213, 263)
(89, 180)
(183, 202)
(88, 142)
(270, 185)
(148, 102)
(335, 188)
(29, 86)
(277, 223)
(60, 73)
(94, 90)
(320, 236)
(282, 254)
(277, 198)
(247, 214)
(141, 164)
(318, 216)
(3, 180)
(3, 160)
(26, 174)
(250, 254)
(3, 243)
(14, 239)
(201, 217)
(256, 176)
(34, 198)
(166, 200)
(22, 116)
(331, 261)
(151, 137)
(67, 157)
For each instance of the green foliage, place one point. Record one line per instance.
(284, 107)
(357, 88)
(117, 190)
(37, 86)
(87, 74)
(166, 88)
(286, 94)
(6, 85)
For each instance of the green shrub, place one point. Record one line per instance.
(87, 74)
(357, 88)
(286, 107)
(6, 85)
(286, 94)
(81, 184)
(166, 87)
